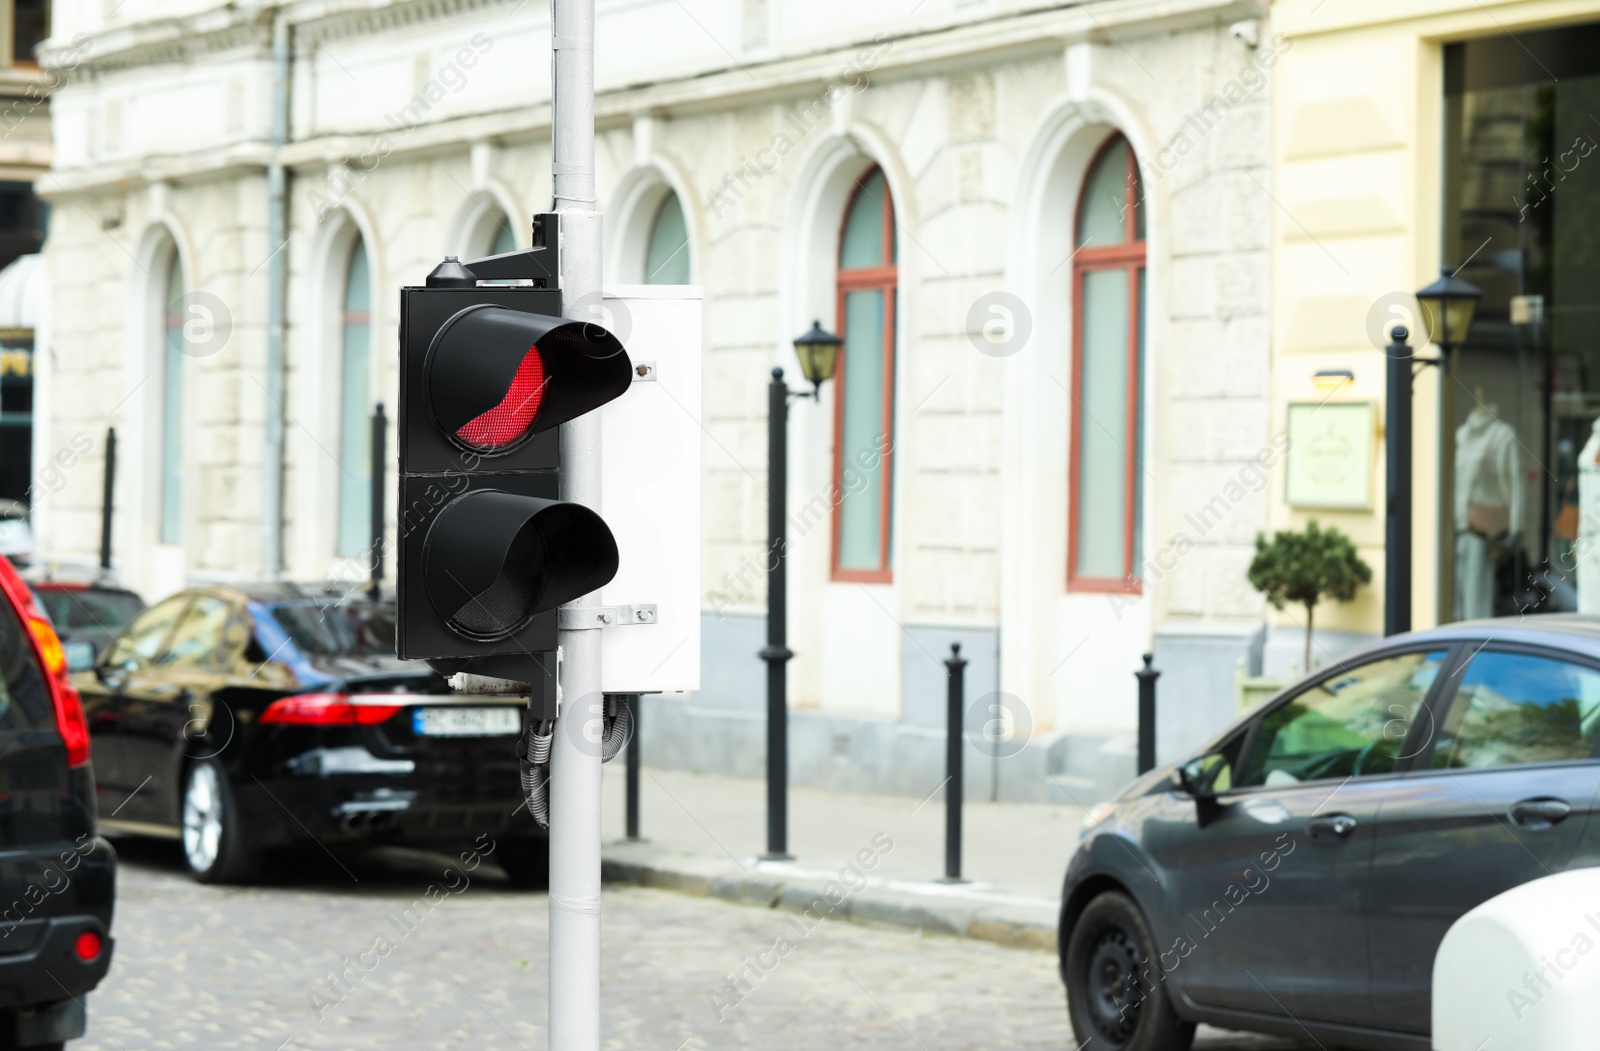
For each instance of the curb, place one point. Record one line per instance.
(964, 911)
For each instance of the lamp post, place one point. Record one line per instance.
(1447, 306)
(818, 351)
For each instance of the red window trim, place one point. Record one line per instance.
(885, 279)
(1130, 257)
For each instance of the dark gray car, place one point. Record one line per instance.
(1298, 874)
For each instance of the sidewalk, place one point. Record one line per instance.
(702, 834)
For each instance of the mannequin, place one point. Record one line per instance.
(1488, 505)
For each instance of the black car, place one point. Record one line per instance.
(57, 876)
(240, 719)
(88, 614)
(1298, 875)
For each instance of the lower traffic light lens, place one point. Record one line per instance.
(507, 603)
(509, 421)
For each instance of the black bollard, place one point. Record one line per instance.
(633, 768)
(954, 734)
(1147, 677)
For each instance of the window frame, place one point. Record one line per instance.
(1421, 764)
(1131, 256)
(1410, 755)
(884, 278)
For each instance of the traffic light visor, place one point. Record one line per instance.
(495, 375)
(494, 560)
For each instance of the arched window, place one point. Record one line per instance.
(864, 422)
(504, 240)
(172, 370)
(355, 421)
(1108, 288)
(667, 256)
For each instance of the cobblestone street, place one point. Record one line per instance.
(463, 966)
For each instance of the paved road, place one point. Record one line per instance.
(463, 966)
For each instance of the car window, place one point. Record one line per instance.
(1350, 725)
(337, 629)
(198, 641)
(24, 697)
(140, 644)
(79, 608)
(1519, 708)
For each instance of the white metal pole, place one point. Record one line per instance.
(575, 781)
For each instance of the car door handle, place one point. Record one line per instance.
(1333, 826)
(1539, 814)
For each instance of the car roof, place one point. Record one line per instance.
(273, 592)
(1579, 632)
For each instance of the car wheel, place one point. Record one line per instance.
(526, 861)
(214, 844)
(1116, 998)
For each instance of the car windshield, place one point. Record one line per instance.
(346, 629)
(75, 608)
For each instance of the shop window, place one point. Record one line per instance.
(864, 423)
(667, 257)
(30, 25)
(1520, 203)
(355, 407)
(1107, 419)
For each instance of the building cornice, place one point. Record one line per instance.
(1041, 32)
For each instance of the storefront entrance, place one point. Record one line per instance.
(1522, 206)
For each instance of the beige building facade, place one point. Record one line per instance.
(1452, 135)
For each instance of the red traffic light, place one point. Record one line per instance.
(495, 376)
(507, 422)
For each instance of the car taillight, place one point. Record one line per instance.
(87, 946)
(74, 729)
(331, 709)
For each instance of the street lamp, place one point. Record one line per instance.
(818, 351)
(1448, 305)
(1447, 308)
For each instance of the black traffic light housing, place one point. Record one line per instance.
(487, 549)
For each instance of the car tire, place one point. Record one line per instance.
(1116, 996)
(215, 844)
(526, 862)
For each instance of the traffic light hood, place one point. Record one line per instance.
(496, 375)
(494, 560)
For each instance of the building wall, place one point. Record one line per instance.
(410, 120)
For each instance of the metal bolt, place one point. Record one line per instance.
(605, 618)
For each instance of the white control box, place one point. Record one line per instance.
(650, 493)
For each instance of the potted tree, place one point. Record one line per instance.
(1307, 567)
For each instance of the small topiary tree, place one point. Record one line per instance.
(1305, 568)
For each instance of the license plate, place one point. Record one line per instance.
(466, 722)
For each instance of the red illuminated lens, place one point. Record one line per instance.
(509, 421)
(87, 946)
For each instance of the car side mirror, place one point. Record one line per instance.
(1201, 775)
(1202, 778)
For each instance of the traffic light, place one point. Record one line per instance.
(487, 549)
